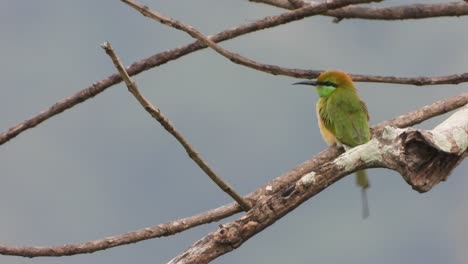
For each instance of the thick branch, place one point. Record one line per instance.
(425, 158)
(156, 114)
(395, 149)
(412, 11)
(176, 53)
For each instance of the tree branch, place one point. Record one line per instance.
(156, 114)
(164, 57)
(270, 188)
(435, 141)
(403, 12)
(161, 230)
(437, 108)
(424, 158)
(277, 70)
(412, 11)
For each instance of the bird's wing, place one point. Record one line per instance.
(350, 120)
(364, 106)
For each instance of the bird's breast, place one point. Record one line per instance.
(327, 135)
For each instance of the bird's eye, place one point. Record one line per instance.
(327, 83)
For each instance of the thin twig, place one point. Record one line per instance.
(161, 230)
(270, 188)
(156, 114)
(164, 57)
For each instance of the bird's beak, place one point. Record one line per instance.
(313, 83)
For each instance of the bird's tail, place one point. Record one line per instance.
(363, 182)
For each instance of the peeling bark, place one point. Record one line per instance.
(423, 157)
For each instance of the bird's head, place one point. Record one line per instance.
(329, 81)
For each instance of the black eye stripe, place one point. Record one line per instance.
(327, 83)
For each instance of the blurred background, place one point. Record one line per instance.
(106, 167)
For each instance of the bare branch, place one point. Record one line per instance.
(236, 58)
(281, 182)
(425, 158)
(172, 227)
(164, 57)
(270, 188)
(161, 230)
(422, 114)
(412, 11)
(312, 9)
(277, 70)
(156, 114)
(418, 81)
(417, 158)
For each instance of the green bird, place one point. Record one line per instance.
(343, 118)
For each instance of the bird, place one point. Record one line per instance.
(343, 118)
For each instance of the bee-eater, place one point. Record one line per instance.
(343, 118)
